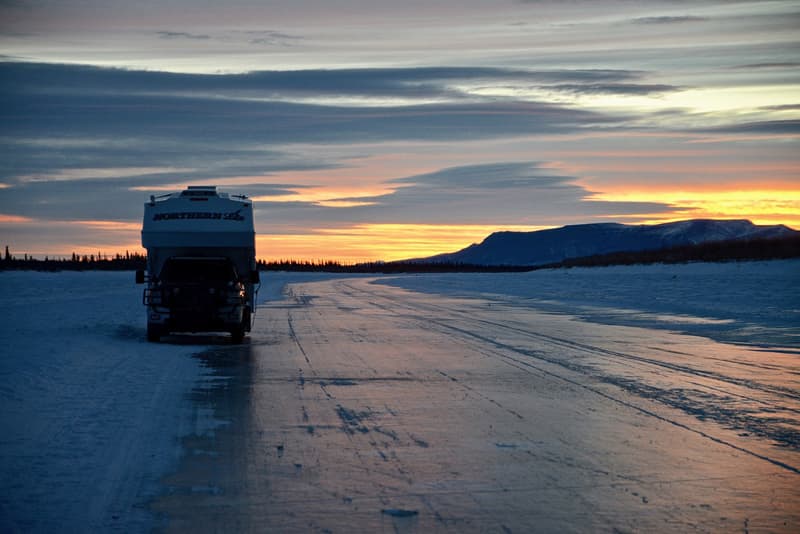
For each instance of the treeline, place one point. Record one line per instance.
(713, 251)
(380, 267)
(130, 261)
(133, 261)
(717, 251)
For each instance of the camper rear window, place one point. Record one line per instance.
(197, 271)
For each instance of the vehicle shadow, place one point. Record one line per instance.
(201, 339)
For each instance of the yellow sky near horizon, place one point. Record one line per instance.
(388, 242)
(760, 206)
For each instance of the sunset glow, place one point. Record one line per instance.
(375, 242)
(759, 206)
(382, 131)
(13, 219)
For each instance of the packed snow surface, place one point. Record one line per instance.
(91, 414)
(756, 303)
(566, 400)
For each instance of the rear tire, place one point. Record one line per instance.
(247, 318)
(153, 333)
(237, 335)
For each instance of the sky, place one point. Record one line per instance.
(377, 130)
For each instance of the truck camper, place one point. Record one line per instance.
(201, 263)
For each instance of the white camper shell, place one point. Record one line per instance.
(201, 262)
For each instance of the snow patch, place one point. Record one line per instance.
(753, 303)
(91, 412)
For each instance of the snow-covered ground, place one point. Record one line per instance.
(90, 412)
(362, 398)
(91, 415)
(755, 303)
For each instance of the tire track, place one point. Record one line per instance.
(359, 425)
(594, 350)
(610, 355)
(638, 389)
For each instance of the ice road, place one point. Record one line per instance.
(443, 403)
(360, 406)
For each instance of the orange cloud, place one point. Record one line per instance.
(114, 226)
(14, 219)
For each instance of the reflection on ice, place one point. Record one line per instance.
(366, 407)
(642, 316)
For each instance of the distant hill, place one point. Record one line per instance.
(559, 244)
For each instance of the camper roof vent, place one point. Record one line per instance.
(200, 191)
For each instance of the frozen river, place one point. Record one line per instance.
(356, 405)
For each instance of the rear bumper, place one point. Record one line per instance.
(197, 319)
(197, 308)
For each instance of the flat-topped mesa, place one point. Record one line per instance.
(581, 240)
(201, 262)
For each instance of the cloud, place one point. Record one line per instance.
(234, 132)
(503, 193)
(507, 192)
(768, 66)
(758, 127)
(80, 130)
(413, 83)
(168, 130)
(258, 37)
(105, 199)
(487, 177)
(782, 107)
(669, 20)
(71, 117)
(271, 37)
(71, 135)
(616, 88)
(112, 154)
(182, 35)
